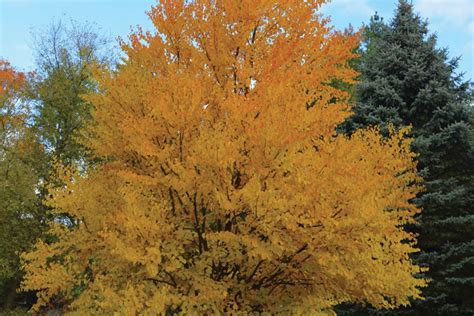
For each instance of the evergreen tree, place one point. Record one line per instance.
(407, 80)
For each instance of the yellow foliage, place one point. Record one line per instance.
(223, 191)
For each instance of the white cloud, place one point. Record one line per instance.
(360, 8)
(448, 12)
(470, 27)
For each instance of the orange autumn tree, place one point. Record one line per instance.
(225, 189)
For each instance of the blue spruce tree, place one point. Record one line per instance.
(406, 80)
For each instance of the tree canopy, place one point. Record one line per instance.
(20, 155)
(407, 80)
(220, 190)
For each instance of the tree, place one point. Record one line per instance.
(20, 156)
(65, 54)
(406, 80)
(222, 192)
(42, 118)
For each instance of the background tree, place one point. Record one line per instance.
(43, 127)
(223, 192)
(20, 173)
(407, 80)
(65, 54)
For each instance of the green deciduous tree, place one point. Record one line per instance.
(64, 55)
(21, 158)
(42, 117)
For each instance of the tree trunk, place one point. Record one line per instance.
(11, 292)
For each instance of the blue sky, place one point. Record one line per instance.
(451, 20)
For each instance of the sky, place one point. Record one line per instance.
(451, 20)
